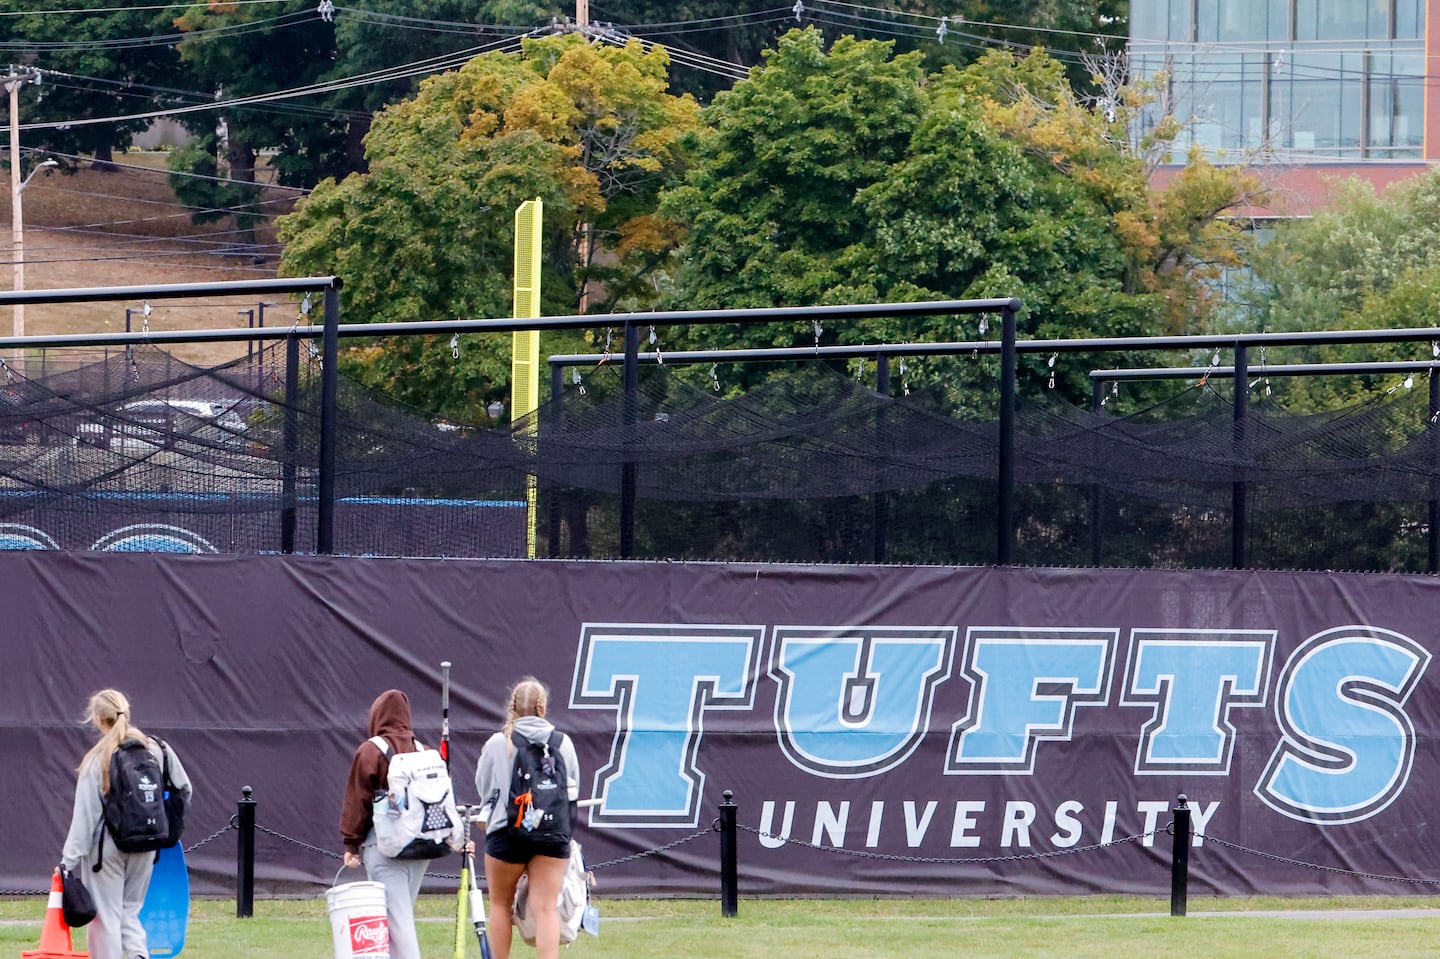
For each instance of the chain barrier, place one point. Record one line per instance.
(213, 836)
(443, 875)
(188, 849)
(1316, 866)
(657, 850)
(969, 860)
(296, 842)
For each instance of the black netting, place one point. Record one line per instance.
(137, 450)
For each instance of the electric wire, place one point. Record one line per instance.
(127, 90)
(85, 11)
(140, 168)
(418, 68)
(158, 40)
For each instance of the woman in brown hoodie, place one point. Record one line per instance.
(390, 719)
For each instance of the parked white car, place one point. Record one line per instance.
(155, 422)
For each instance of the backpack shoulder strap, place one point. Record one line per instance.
(556, 738)
(164, 759)
(518, 741)
(380, 743)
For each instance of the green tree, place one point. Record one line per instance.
(770, 206)
(243, 50)
(849, 176)
(427, 232)
(96, 64)
(1367, 261)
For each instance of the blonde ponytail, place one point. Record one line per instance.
(109, 712)
(528, 697)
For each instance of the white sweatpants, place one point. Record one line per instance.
(401, 878)
(119, 891)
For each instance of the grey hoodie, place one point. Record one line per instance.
(492, 773)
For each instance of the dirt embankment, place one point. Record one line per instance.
(125, 227)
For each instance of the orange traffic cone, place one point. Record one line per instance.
(54, 934)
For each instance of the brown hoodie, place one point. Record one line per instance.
(390, 718)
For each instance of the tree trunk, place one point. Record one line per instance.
(104, 159)
(240, 156)
(355, 146)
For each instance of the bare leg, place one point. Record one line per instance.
(502, 878)
(547, 875)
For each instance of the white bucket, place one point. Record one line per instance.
(357, 920)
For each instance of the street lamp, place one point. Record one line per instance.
(17, 227)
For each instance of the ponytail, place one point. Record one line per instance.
(528, 697)
(109, 712)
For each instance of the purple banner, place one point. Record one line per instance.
(882, 730)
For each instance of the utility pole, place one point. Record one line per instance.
(582, 14)
(17, 221)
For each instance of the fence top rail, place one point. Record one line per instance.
(446, 327)
(170, 291)
(1269, 369)
(1095, 344)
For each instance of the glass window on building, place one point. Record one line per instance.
(1324, 94)
(1231, 20)
(1178, 21)
(1147, 21)
(1409, 19)
(1397, 102)
(1330, 19)
(1377, 19)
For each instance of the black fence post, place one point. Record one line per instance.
(1238, 550)
(631, 415)
(290, 437)
(1097, 492)
(880, 502)
(329, 429)
(1179, 856)
(245, 856)
(1005, 498)
(1432, 540)
(729, 860)
(552, 486)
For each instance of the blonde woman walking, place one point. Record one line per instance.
(516, 844)
(117, 880)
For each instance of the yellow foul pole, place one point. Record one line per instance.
(525, 349)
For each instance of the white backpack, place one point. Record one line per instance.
(573, 903)
(415, 817)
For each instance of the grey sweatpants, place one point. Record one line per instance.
(119, 891)
(401, 878)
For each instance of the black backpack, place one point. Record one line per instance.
(539, 806)
(134, 805)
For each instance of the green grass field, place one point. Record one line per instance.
(1111, 927)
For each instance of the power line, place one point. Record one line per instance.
(170, 173)
(127, 9)
(418, 68)
(161, 40)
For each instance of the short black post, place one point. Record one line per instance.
(1179, 856)
(729, 863)
(245, 856)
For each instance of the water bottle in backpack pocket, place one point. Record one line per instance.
(414, 816)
